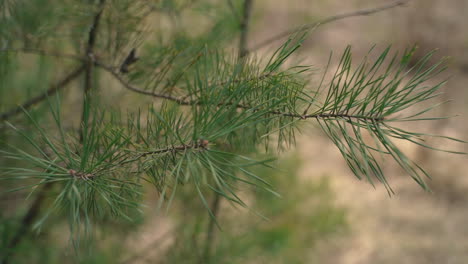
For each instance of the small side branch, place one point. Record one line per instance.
(201, 145)
(331, 116)
(132, 88)
(362, 12)
(35, 100)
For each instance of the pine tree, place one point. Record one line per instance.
(162, 102)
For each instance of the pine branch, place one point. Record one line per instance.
(52, 90)
(364, 98)
(183, 101)
(202, 145)
(363, 12)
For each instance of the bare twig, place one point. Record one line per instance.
(52, 90)
(362, 12)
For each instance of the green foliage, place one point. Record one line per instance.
(212, 112)
(370, 99)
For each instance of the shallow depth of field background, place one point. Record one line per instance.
(326, 215)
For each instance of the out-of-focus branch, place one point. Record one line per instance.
(45, 53)
(52, 90)
(26, 222)
(362, 12)
(183, 101)
(244, 28)
(215, 204)
(89, 65)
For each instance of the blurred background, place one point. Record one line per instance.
(324, 215)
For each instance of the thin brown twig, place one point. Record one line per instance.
(362, 12)
(182, 101)
(130, 87)
(202, 144)
(52, 90)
